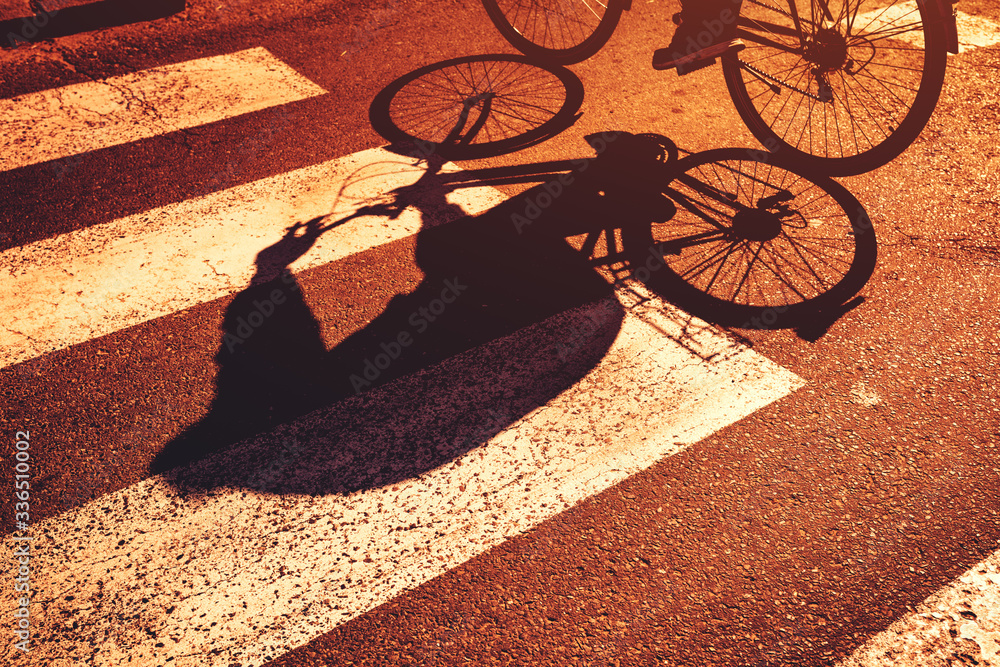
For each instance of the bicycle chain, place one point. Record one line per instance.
(765, 75)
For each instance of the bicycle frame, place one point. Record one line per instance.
(946, 13)
(544, 172)
(851, 101)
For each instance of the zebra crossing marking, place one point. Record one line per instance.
(253, 568)
(960, 619)
(62, 122)
(80, 552)
(69, 289)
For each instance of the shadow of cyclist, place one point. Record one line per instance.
(435, 373)
(267, 359)
(460, 380)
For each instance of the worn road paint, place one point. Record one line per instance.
(961, 619)
(272, 556)
(69, 289)
(61, 122)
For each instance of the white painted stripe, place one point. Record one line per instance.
(961, 619)
(976, 32)
(973, 31)
(60, 122)
(66, 290)
(241, 575)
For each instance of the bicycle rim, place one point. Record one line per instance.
(754, 239)
(558, 32)
(845, 85)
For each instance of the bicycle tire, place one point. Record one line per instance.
(730, 258)
(515, 103)
(872, 112)
(555, 32)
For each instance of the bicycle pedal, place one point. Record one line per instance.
(687, 68)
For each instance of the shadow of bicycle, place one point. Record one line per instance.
(516, 305)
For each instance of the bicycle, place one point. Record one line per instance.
(729, 235)
(845, 85)
(746, 240)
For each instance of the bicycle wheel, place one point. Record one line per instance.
(752, 239)
(555, 32)
(843, 84)
(478, 106)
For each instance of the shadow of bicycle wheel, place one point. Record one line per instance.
(477, 106)
(755, 242)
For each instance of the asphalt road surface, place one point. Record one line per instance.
(280, 389)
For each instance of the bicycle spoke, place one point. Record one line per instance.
(853, 88)
(478, 101)
(554, 24)
(727, 253)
